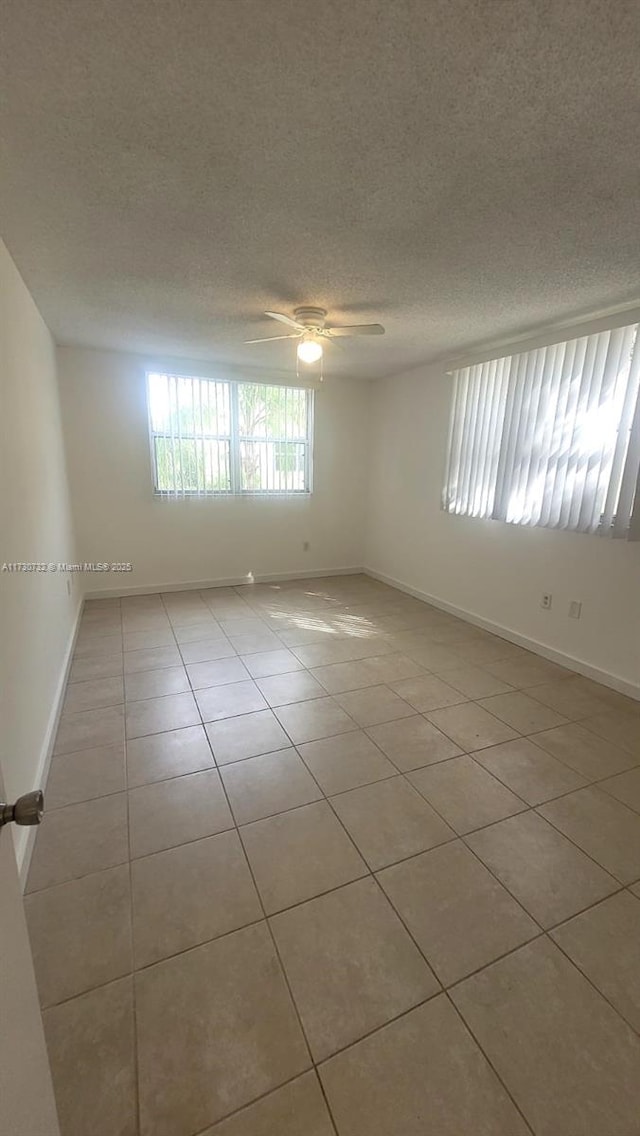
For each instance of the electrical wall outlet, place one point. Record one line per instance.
(575, 609)
(545, 600)
(305, 546)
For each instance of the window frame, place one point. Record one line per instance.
(234, 440)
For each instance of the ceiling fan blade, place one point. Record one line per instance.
(357, 329)
(273, 338)
(285, 319)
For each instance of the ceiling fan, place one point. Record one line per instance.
(312, 330)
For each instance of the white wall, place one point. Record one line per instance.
(37, 615)
(181, 542)
(494, 571)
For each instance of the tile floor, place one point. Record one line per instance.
(320, 859)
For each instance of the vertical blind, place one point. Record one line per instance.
(551, 437)
(211, 437)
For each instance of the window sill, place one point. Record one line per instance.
(249, 495)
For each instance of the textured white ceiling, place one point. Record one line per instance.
(458, 170)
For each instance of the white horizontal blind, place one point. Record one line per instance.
(551, 437)
(211, 437)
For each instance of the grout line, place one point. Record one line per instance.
(634, 1028)
(506, 1088)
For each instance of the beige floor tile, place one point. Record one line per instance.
(465, 794)
(225, 602)
(524, 672)
(529, 771)
(392, 668)
(481, 652)
(266, 663)
(208, 1047)
(584, 751)
(345, 761)
(390, 821)
(90, 1040)
(99, 623)
(297, 686)
(457, 912)
(412, 742)
(206, 650)
(245, 625)
(92, 694)
(80, 934)
(333, 650)
(293, 636)
(233, 739)
(78, 840)
(622, 703)
(434, 657)
(105, 666)
(351, 965)
(373, 705)
(474, 682)
(144, 640)
(624, 787)
(152, 659)
(230, 701)
(572, 697)
(524, 714)
(155, 684)
(300, 854)
(321, 718)
(172, 812)
(85, 774)
(605, 829)
(269, 784)
(471, 727)
(197, 631)
(549, 876)
(216, 672)
(621, 729)
(428, 693)
(297, 1109)
(424, 1069)
(416, 639)
(170, 754)
(603, 943)
(256, 641)
(336, 678)
(89, 729)
(98, 647)
(144, 620)
(157, 715)
(187, 895)
(568, 1059)
(151, 602)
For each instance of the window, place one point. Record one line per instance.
(551, 437)
(210, 437)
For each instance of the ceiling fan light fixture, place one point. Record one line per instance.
(309, 350)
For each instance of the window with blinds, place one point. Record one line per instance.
(551, 437)
(212, 437)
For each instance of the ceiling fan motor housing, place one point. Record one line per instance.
(310, 317)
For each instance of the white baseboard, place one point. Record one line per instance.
(228, 582)
(24, 851)
(615, 682)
